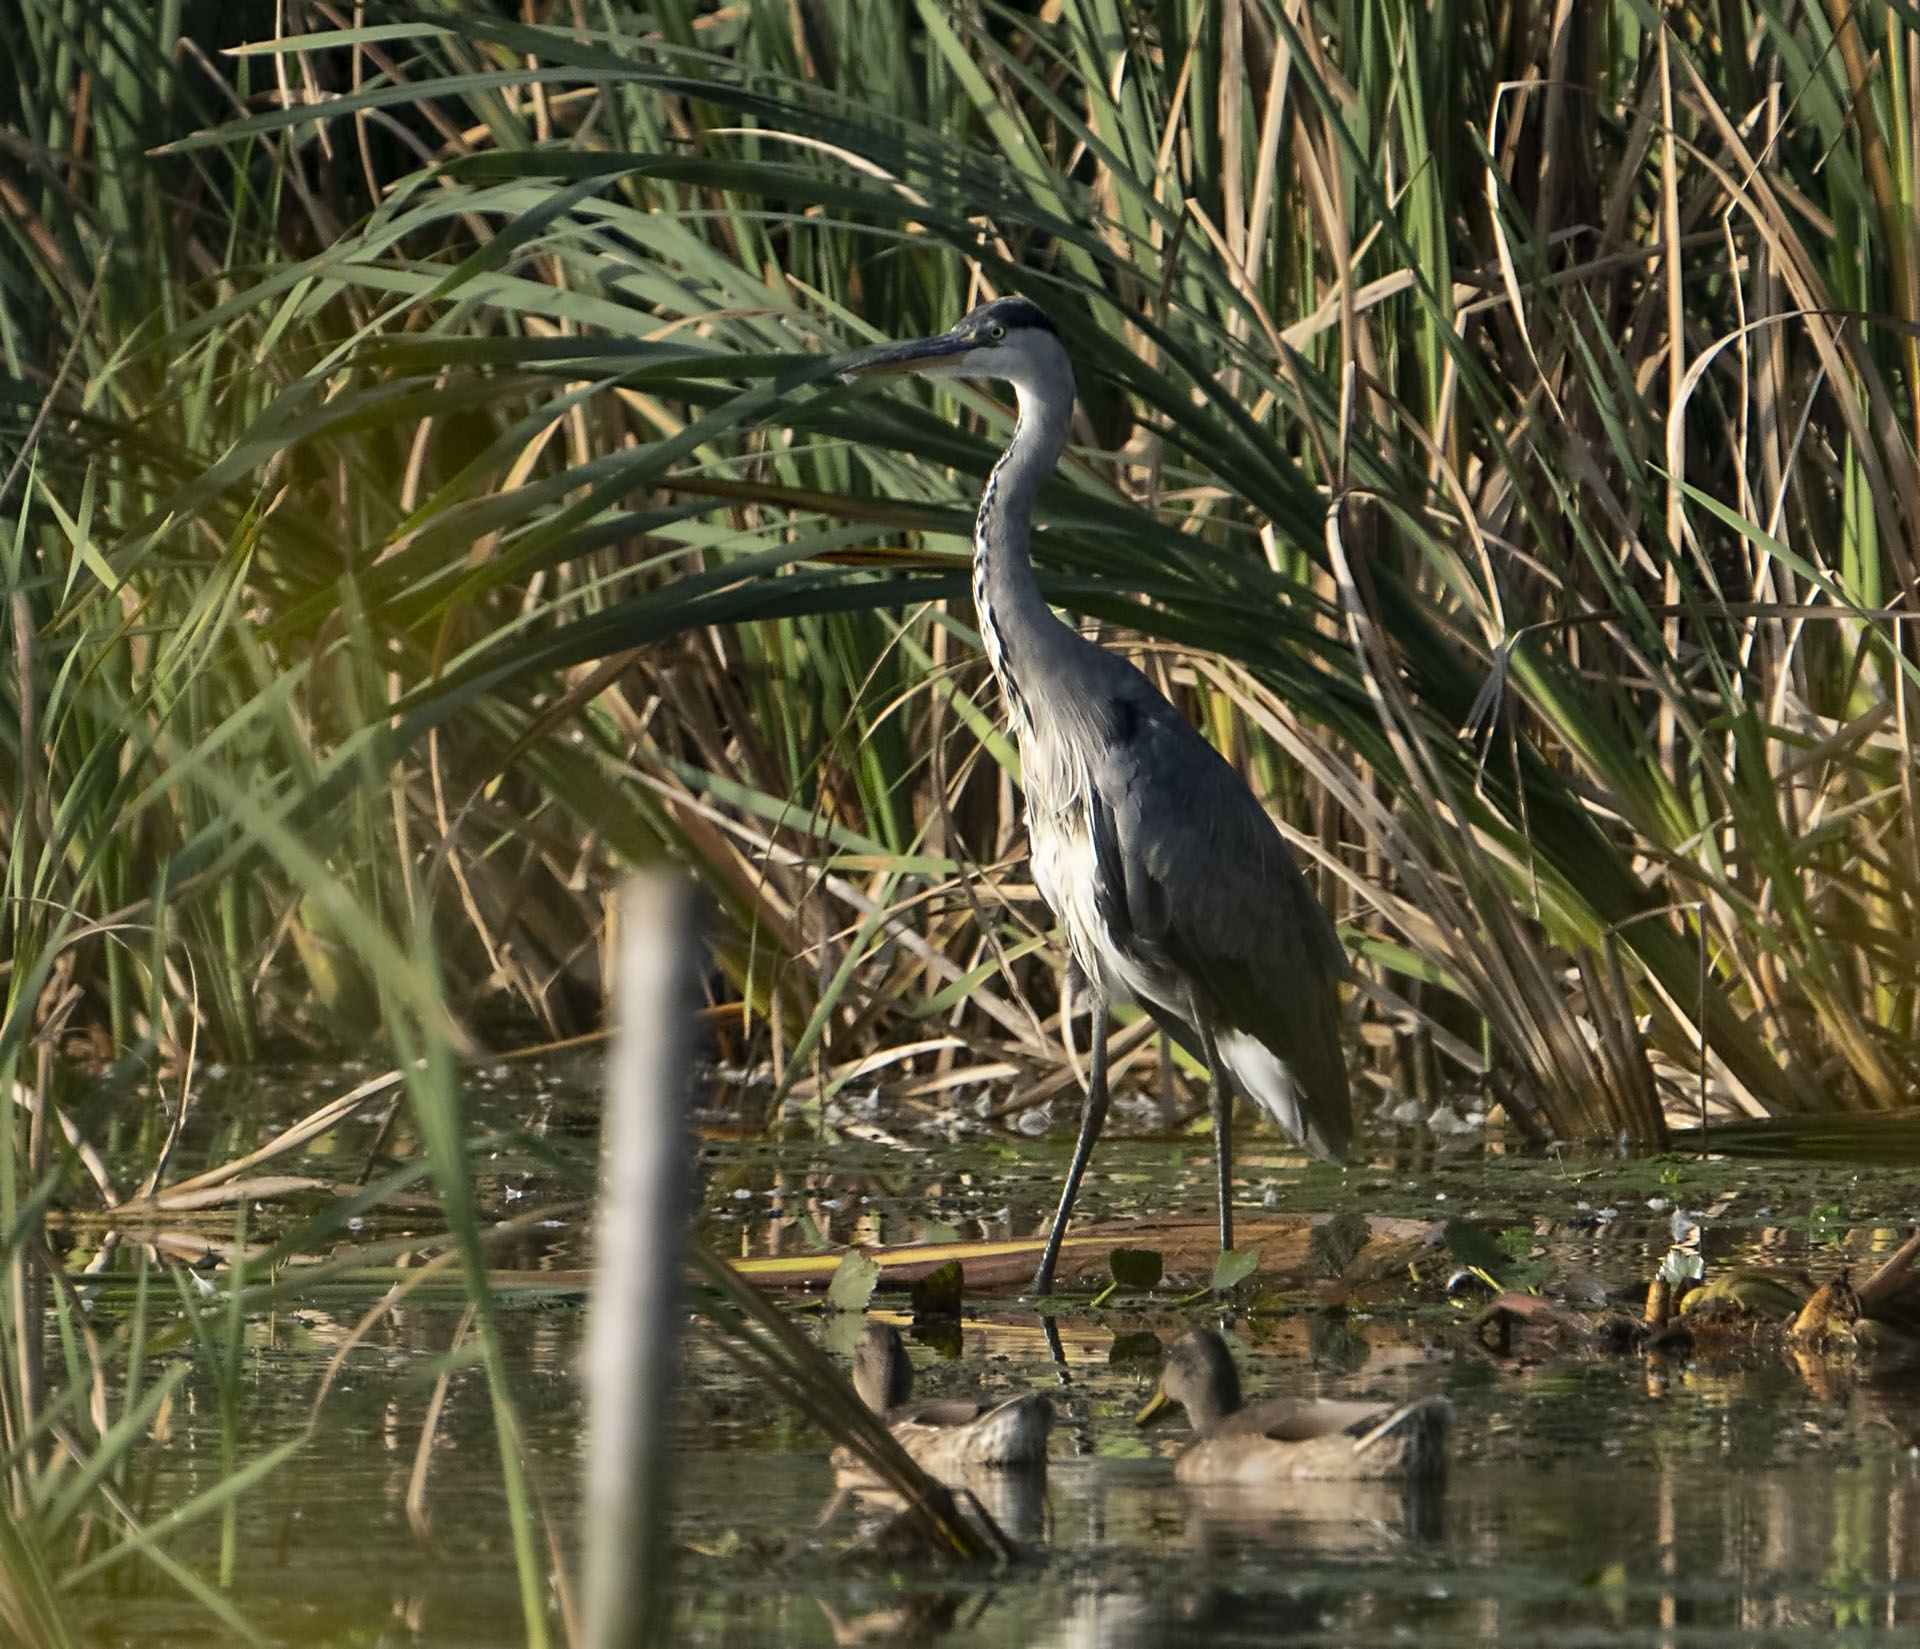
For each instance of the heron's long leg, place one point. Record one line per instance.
(1092, 1119)
(1220, 1102)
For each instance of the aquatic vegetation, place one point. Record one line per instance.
(1740, 1312)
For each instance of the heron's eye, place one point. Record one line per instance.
(995, 330)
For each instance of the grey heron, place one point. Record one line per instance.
(1174, 887)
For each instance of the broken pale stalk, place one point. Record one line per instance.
(633, 1326)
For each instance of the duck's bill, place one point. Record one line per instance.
(922, 352)
(1155, 1404)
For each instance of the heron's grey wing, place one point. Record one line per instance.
(1115, 896)
(1208, 884)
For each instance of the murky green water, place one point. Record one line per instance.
(1592, 1500)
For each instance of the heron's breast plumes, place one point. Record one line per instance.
(1063, 871)
(1067, 875)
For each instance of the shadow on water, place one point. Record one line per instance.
(1592, 1499)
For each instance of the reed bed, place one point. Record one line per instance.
(1496, 432)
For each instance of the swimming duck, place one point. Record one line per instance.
(1290, 1439)
(946, 1435)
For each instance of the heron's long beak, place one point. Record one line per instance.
(1155, 1404)
(908, 357)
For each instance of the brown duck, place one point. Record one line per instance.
(946, 1435)
(1291, 1439)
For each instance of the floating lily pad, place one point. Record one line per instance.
(939, 1334)
(1337, 1242)
(938, 1292)
(843, 1330)
(1336, 1342)
(1140, 1350)
(1137, 1268)
(1512, 1258)
(1473, 1246)
(854, 1280)
(1234, 1266)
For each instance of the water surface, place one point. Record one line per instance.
(1593, 1499)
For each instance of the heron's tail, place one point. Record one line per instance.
(1308, 1098)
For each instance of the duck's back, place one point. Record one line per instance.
(947, 1436)
(950, 1434)
(1298, 1441)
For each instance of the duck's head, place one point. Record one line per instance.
(882, 1371)
(1200, 1376)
